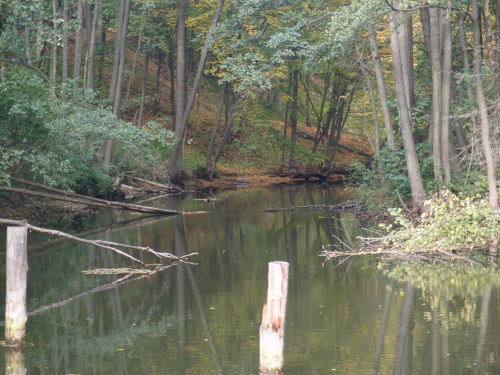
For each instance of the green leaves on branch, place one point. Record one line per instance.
(449, 223)
(59, 140)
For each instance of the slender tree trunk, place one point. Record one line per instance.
(376, 147)
(116, 85)
(384, 103)
(309, 78)
(403, 45)
(134, 63)
(497, 34)
(180, 84)
(144, 86)
(27, 35)
(416, 184)
(65, 58)
(79, 43)
(176, 158)
(53, 61)
(88, 20)
(293, 116)
(446, 96)
(411, 71)
(157, 85)
(483, 112)
(92, 34)
(101, 51)
(232, 104)
(210, 164)
(488, 34)
(123, 54)
(172, 77)
(466, 63)
(436, 92)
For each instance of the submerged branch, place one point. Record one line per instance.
(341, 206)
(113, 246)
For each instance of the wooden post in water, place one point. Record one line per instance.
(17, 272)
(14, 361)
(272, 330)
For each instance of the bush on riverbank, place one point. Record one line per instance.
(449, 223)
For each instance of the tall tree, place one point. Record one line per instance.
(416, 184)
(183, 112)
(382, 91)
(483, 111)
(115, 90)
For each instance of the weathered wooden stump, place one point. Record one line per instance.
(14, 362)
(17, 272)
(272, 330)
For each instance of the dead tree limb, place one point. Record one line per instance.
(152, 183)
(113, 246)
(340, 206)
(80, 199)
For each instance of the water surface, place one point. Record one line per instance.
(343, 316)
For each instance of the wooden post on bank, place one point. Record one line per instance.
(17, 272)
(272, 330)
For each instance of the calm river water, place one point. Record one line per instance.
(343, 316)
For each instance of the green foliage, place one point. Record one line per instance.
(449, 223)
(25, 106)
(7, 159)
(59, 140)
(377, 195)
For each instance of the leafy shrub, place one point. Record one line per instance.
(450, 223)
(59, 140)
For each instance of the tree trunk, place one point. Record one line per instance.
(180, 84)
(403, 55)
(497, 34)
(384, 105)
(411, 72)
(293, 116)
(436, 92)
(416, 184)
(134, 63)
(116, 85)
(465, 59)
(309, 78)
(172, 77)
(376, 147)
(101, 51)
(91, 46)
(488, 34)
(65, 58)
(88, 21)
(53, 60)
(176, 159)
(483, 111)
(210, 164)
(144, 86)
(446, 96)
(28, 43)
(232, 104)
(157, 86)
(79, 43)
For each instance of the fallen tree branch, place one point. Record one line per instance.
(340, 206)
(309, 137)
(103, 244)
(152, 183)
(75, 198)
